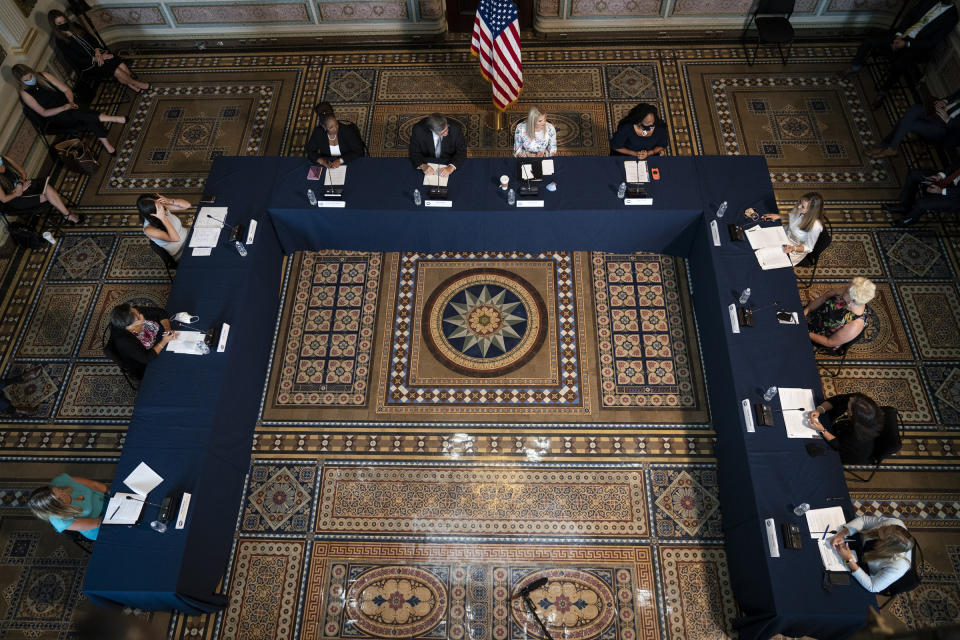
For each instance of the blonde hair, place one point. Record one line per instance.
(862, 290)
(532, 118)
(45, 505)
(814, 210)
(891, 540)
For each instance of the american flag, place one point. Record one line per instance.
(496, 41)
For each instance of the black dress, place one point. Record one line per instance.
(30, 198)
(852, 449)
(626, 137)
(134, 355)
(318, 146)
(79, 48)
(50, 97)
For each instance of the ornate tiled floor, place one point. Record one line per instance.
(405, 481)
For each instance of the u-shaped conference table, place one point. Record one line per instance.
(194, 417)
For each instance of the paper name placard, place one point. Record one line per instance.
(438, 203)
(734, 321)
(715, 232)
(529, 203)
(748, 416)
(772, 545)
(332, 204)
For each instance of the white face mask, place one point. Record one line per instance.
(185, 318)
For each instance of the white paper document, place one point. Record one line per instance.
(831, 559)
(827, 519)
(796, 404)
(772, 258)
(335, 177)
(201, 251)
(187, 342)
(636, 170)
(206, 228)
(526, 172)
(435, 180)
(123, 508)
(142, 480)
(763, 237)
(547, 167)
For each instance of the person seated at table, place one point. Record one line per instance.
(940, 123)
(139, 335)
(437, 140)
(836, 316)
(855, 422)
(7, 408)
(926, 191)
(86, 54)
(160, 225)
(53, 101)
(331, 144)
(640, 133)
(19, 193)
(542, 143)
(884, 550)
(70, 503)
(803, 225)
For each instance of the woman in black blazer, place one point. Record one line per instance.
(332, 144)
(139, 335)
(87, 55)
(855, 422)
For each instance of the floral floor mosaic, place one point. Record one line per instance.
(377, 504)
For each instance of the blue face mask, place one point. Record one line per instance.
(32, 81)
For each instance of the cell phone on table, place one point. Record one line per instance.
(655, 173)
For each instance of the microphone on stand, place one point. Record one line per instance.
(235, 230)
(152, 504)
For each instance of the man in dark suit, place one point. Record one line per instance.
(926, 191)
(437, 140)
(912, 40)
(942, 125)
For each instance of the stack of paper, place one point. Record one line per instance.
(767, 244)
(823, 521)
(335, 177)
(526, 172)
(796, 404)
(831, 559)
(636, 171)
(435, 180)
(187, 342)
(125, 508)
(206, 228)
(547, 167)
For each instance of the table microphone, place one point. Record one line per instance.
(152, 504)
(234, 229)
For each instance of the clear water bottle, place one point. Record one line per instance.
(722, 209)
(511, 197)
(242, 250)
(622, 190)
(801, 508)
(745, 296)
(311, 197)
(159, 527)
(769, 394)
(417, 199)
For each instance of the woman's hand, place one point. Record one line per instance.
(843, 550)
(769, 217)
(642, 155)
(838, 539)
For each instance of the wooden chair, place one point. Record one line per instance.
(772, 20)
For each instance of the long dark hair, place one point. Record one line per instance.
(865, 417)
(638, 113)
(147, 207)
(57, 33)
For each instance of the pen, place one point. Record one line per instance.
(825, 532)
(114, 512)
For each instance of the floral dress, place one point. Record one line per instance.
(832, 316)
(544, 141)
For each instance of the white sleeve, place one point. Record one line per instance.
(811, 240)
(866, 523)
(883, 575)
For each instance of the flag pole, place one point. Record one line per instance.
(497, 119)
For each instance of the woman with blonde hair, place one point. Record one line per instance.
(803, 225)
(71, 503)
(535, 137)
(837, 316)
(884, 554)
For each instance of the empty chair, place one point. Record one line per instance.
(772, 20)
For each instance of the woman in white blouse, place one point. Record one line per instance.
(888, 547)
(804, 224)
(541, 143)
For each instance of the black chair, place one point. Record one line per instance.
(79, 539)
(908, 581)
(23, 231)
(356, 130)
(109, 349)
(44, 127)
(887, 443)
(168, 260)
(772, 19)
(842, 350)
(813, 258)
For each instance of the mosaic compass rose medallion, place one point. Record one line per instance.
(484, 322)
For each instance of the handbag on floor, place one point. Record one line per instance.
(75, 156)
(23, 236)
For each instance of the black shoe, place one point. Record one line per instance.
(894, 207)
(903, 223)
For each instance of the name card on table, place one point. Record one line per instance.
(734, 321)
(224, 332)
(332, 204)
(182, 513)
(748, 416)
(715, 232)
(251, 231)
(772, 545)
(529, 203)
(438, 203)
(638, 201)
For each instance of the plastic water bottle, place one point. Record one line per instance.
(745, 296)
(622, 190)
(722, 209)
(158, 526)
(311, 197)
(511, 197)
(417, 199)
(769, 394)
(242, 250)
(801, 508)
